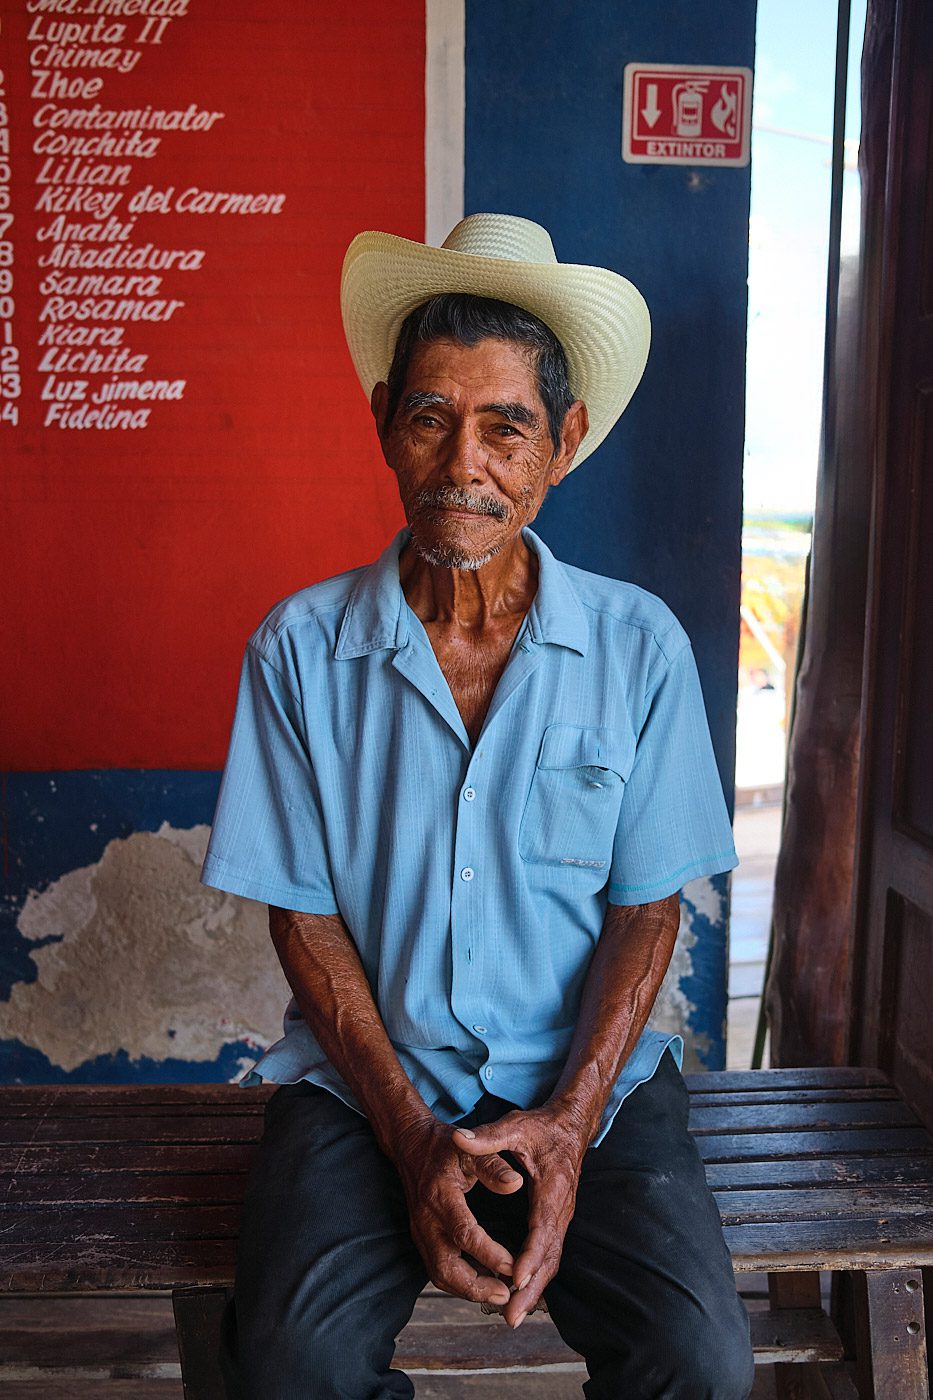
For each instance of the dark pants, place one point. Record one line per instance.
(327, 1274)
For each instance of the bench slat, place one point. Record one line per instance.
(118, 1226)
(86, 1331)
(804, 1334)
(811, 1171)
(820, 1077)
(482, 1346)
(206, 1212)
(843, 1204)
(221, 1128)
(129, 1233)
(135, 1157)
(105, 1147)
(787, 1117)
(66, 1110)
(117, 1188)
(158, 1266)
(712, 1098)
(832, 1244)
(807, 1244)
(728, 1147)
(62, 1097)
(794, 1334)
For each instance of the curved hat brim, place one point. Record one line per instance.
(599, 317)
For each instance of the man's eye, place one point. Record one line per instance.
(425, 420)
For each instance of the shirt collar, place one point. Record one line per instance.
(377, 615)
(556, 615)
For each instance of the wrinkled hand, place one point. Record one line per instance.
(437, 1174)
(549, 1145)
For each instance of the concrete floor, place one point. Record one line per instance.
(757, 835)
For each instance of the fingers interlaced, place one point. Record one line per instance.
(538, 1260)
(463, 1243)
(496, 1174)
(458, 1234)
(454, 1275)
(469, 1237)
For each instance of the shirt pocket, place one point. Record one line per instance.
(572, 809)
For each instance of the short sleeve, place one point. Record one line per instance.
(673, 824)
(268, 840)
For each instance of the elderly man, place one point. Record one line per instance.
(470, 781)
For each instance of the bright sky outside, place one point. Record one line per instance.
(791, 151)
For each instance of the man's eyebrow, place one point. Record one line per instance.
(515, 412)
(423, 398)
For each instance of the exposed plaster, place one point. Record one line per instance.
(149, 961)
(673, 1010)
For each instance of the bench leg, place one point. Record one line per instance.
(197, 1327)
(792, 1380)
(892, 1339)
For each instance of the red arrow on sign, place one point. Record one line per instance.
(651, 111)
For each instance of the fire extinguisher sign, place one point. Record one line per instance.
(686, 115)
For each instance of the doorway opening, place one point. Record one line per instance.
(803, 226)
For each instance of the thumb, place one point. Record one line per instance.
(488, 1137)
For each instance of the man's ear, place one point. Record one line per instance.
(379, 403)
(573, 430)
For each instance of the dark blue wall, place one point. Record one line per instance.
(660, 502)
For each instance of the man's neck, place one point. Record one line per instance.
(471, 599)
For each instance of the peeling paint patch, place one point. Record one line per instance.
(147, 961)
(54, 823)
(23, 1065)
(707, 902)
(691, 1001)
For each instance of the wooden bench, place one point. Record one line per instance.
(139, 1188)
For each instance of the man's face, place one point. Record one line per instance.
(470, 448)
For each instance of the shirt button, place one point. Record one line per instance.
(467, 873)
(480, 1030)
(469, 794)
(488, 1071)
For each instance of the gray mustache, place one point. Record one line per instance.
(456, 498)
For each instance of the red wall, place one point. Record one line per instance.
(136, 562)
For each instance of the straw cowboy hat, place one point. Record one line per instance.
(600, 319)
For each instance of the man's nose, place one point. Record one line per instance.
(467, 458)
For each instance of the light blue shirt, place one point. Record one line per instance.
(473, 880)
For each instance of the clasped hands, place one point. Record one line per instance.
(439, 1164)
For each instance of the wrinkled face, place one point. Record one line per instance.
(470, 448)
